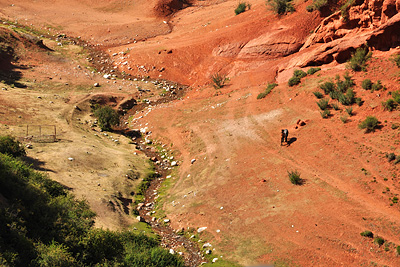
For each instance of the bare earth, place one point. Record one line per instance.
(238, 185)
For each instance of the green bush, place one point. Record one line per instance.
(54, 255)
(389, 104)
(398, 250)
(10, 146)
(242, 7)
(370, 124)
(366, 84)
(323, 104)
(318, 95)
(267, 90)
(328, 87)
(219, 80)
(335, 106)
(325, 114)
(299, 73)
(317, 5)
(311, 71)
(280, 6)
(359, 101)
(377, 86)
(294, 177)
(367, 234)
(107, 117)
(349, 111)
(293, 81)
(358, 61)
(379, 241)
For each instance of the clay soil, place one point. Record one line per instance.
(238, 185)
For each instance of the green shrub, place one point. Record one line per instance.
(358, 61)
(377, 86)
(359, 101)
(395, 126)
(389, 104)
(267, 90)
(396, 96)
(344, 85)
(370, 124)
(379, 241)
(345, 8)
(294, 177)
(336, 95)
(299, 73)
(328, 87)
(311, 71)
(349, 111)
(367, 234)
(335, 106)
(344, 119)
(54, 255)
(366, 84)
(107, 117)
(318, 95)
(395, 200)
(219, 80)
(391, 156)
(325, 114)
(242, 7)
(10, 146)
(293, 81)
(323, 104)
(280, 6)
(398, 250)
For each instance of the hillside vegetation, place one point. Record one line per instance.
(42, 224)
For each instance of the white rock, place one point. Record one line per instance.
(70, 159)
(166, 220)
(214, 260)
(206, 245)
(192, 161)
(171, 251)
(201, 229)
(107, 76)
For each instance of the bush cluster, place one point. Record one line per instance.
(341, 90)
(392, 103)
(267, 90)
(12, 147)
(367, 234)
(296, 78)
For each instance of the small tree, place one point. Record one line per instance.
(107, 117)
(369, 124)
(358, 60)
(219, 80)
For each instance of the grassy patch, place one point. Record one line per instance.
(267, 90)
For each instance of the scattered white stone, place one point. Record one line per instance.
(96, 84)
(208, 251)
(214, 260)
(218, 231)
(70, 159)
(221, 208)
(168, 176)
(174, 163)
(171, 251)
(107, 76)
(192, 161)
(207, 245)
(166, 220)
(201, 229)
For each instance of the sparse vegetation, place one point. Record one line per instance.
(344, 119)
(345, 8)
(267, 90)
(294, 81)
(327, 87)
(389, 104)
(299, 73)
(325, 114)
(242, 6)
(280, 6)
(377, 86)
(349, 111)
(396, 60)
(296, 78)
(370, 124)
(107, 117)
(323, 104)
(358, 60)
(335, 106)
(318, 95)
(294, 177)
(366, 84)
(219, 80)
(311, 71)
(367, 234)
